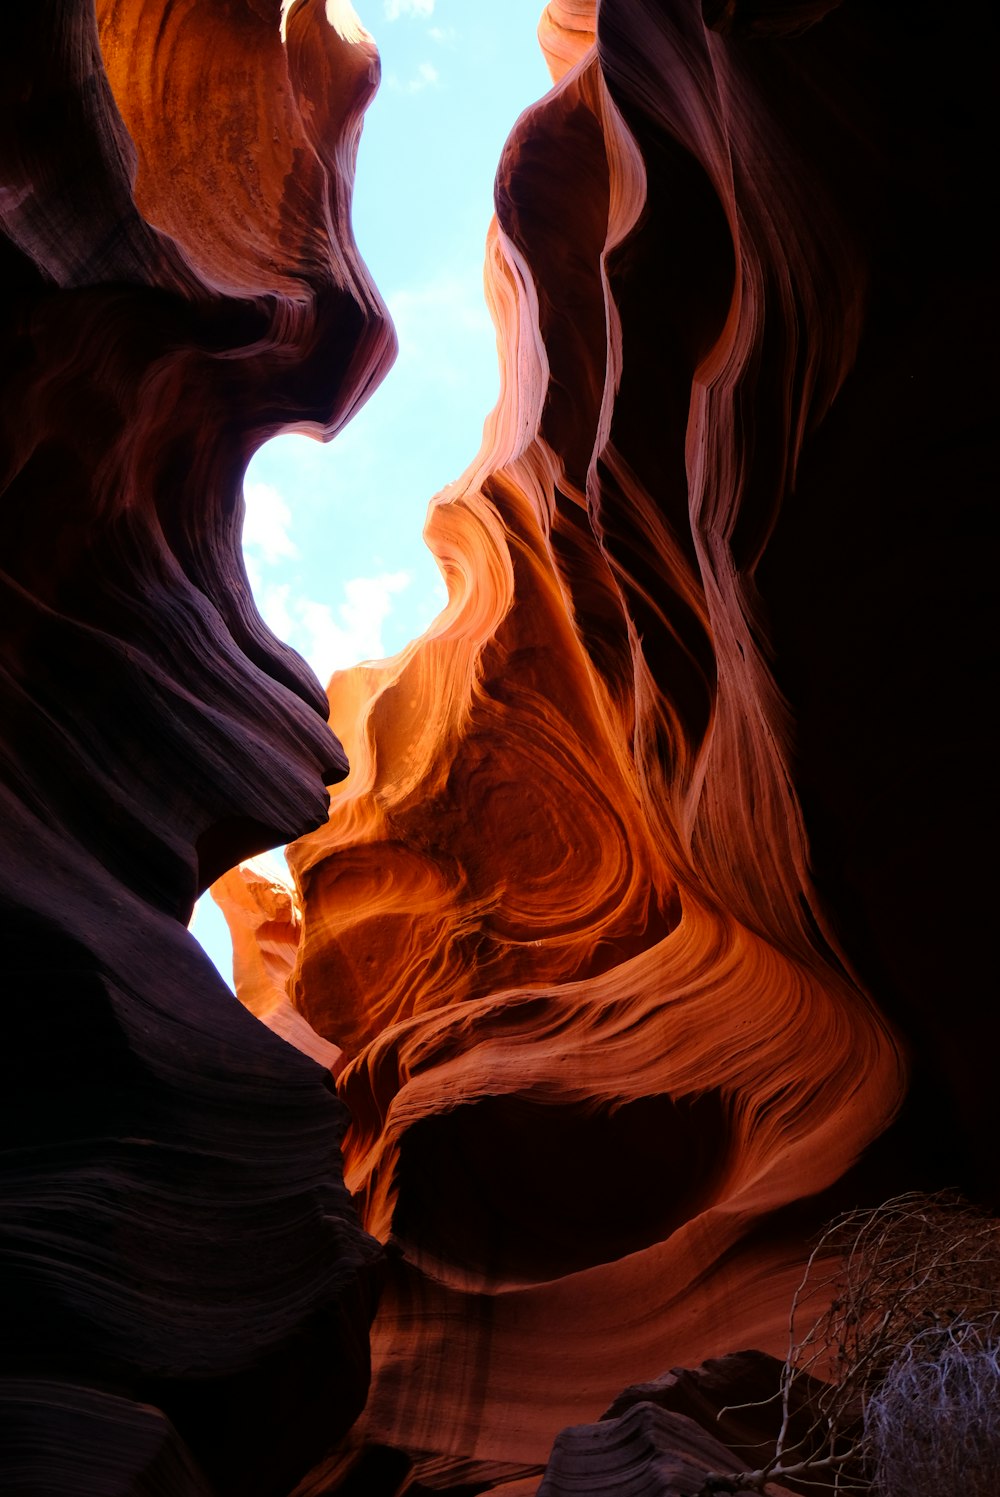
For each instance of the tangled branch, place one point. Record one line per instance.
(885, 1294)
(934, 1424)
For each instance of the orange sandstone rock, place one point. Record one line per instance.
(265, 922)
(566, 34)
(612, 1049)
(184, 1287)
(646, 926)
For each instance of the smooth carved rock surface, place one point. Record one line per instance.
(648, 918)
(688, 1432)
(641, 916)
(185, 1289)
(735, 1401)
(646, 1452)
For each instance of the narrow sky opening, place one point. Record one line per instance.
(333, 532)
(332, 537)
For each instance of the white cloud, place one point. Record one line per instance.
(333, 639)
(416, 9)
(443, 35)
(272, 601)
(426, 76)
(266, 525)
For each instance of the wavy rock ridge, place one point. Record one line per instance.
(604, 1031)
(644, 928)
(185, 1289)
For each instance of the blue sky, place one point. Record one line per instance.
(332, 536)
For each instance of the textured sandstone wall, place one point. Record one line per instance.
(648, 925)
(184, 1287)
(627, 918)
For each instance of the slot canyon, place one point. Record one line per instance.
(641, 916)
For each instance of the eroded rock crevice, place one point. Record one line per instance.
(646, 928)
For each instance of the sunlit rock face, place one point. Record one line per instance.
(642, 913)
(185, 1288)
(646, 927)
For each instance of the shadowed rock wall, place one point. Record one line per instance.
(647, 927)
(184, 1288)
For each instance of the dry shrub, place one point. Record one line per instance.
(881, 1286)
(934, 1424)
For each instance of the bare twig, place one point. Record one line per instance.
(885, 1293)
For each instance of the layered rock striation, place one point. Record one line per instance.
(629, 917)
(646, 927)
(184, 1288)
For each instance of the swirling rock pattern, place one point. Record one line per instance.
(649, 902)
(629, 918)
(184, 1287)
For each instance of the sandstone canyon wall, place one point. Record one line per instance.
(185, 1287)
(646, 927)
(629, 919)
